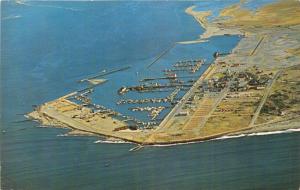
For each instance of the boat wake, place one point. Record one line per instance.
(11, 17)
(47, 6)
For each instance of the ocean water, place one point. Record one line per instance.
(47, 46)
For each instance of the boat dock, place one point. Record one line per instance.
(149, 88)
(154, 111)
(167, 78)
(169, 98)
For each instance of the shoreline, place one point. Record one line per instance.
(210, 28)
(174, 131)
(114, 140)
(291, 130)
(231, 134)
(275, 132)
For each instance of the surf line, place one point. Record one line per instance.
(161, 55)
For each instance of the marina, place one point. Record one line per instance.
(149, 88)
(177, 83)
(169, 98)
(181, 98)
(172, 77)
(236, 126)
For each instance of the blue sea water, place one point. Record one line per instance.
(47, 46)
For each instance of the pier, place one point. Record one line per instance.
(162, 54)
(167, 78)
(169, 98)
(149, 88)
(153, 111)
(104, 74)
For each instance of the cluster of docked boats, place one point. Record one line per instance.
(104, 110)
(152, 87)
(174, 84)
(84, 99)
(192, 65)
(141, 101)
(153, 111)
(169, 98)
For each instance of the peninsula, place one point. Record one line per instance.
(255, 88)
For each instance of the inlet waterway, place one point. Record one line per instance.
(47, 46)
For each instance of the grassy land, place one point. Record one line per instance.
(284, 100)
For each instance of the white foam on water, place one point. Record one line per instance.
(42, 126)
(233, 136)
(47, 6)
(112, 142)
(174, 144)
(216, 139)
(230, 137)
(274, 132)
(11, 17)
(62, 135)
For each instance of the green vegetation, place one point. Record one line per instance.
(276, 103)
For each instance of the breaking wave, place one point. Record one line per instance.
(113, 142)
(233, 136)
(62, 135)
(216, 139)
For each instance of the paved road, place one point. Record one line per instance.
(178, 106)
(264, 98)
(216, 103)
(258, 44)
